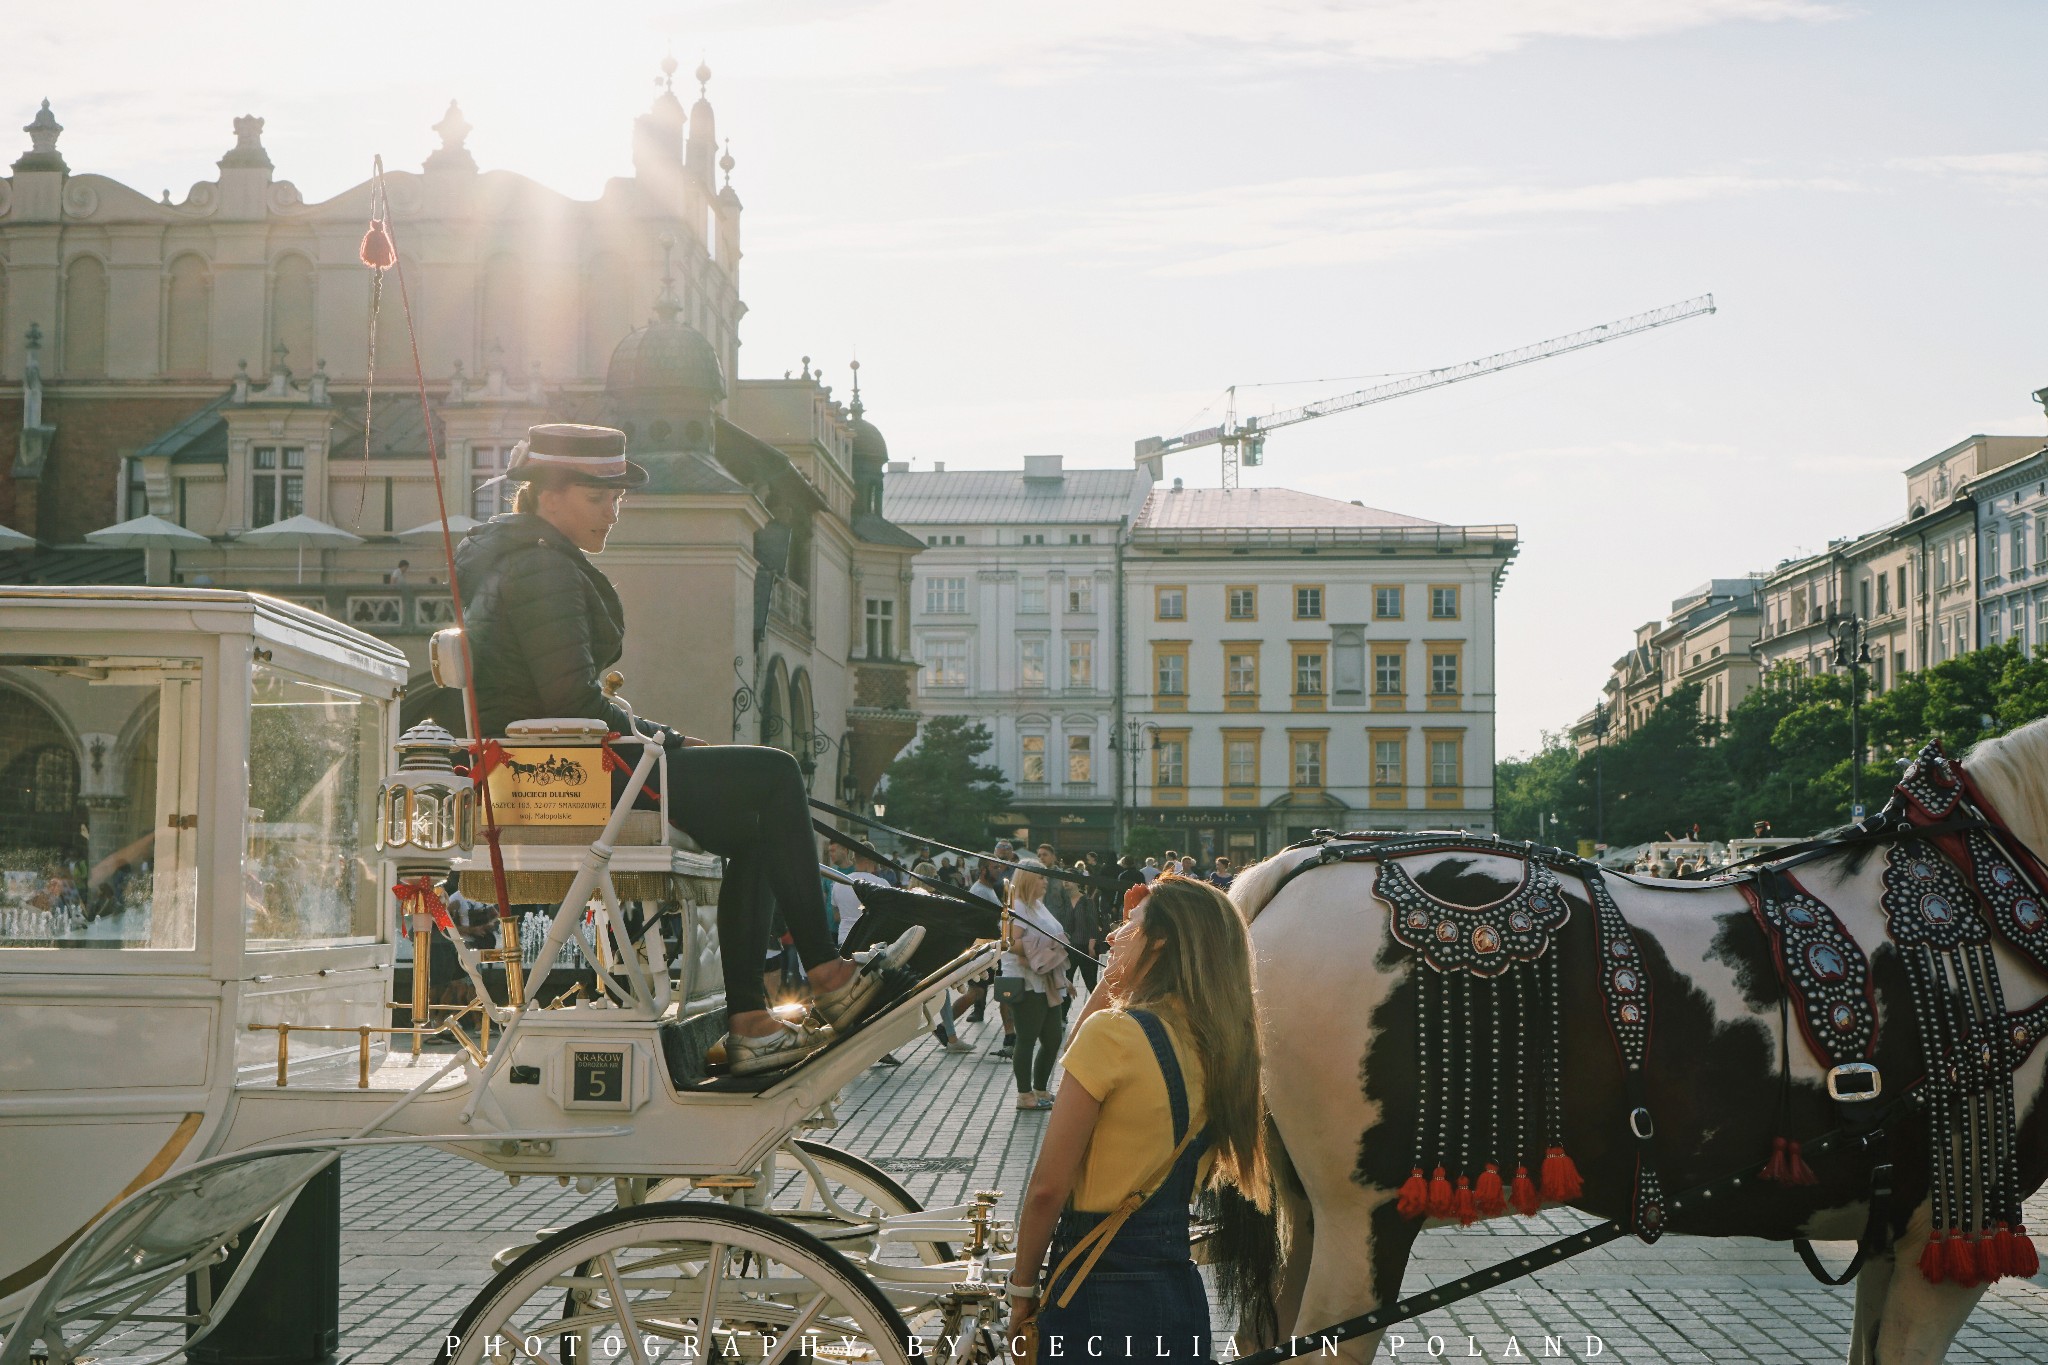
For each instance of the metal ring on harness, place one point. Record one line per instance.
(1639, 1123)
(1864, 1082)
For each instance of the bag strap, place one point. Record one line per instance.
(1098, 1238)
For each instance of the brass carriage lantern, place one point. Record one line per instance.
(426, 810)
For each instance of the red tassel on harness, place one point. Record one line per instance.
(1962, 1260)
(2022, 1260)
(378, 251)
(1487, 1196)
(1797, 1172)
(1932, 1262)
(1414, 1200)
(1467, 1213)
(1775, 1169)
(1561, 1182)
(1439, 1194)
(1994, 1254)
(1523, 1195)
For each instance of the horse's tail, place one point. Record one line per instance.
(1255, 886)
(1249, 1246)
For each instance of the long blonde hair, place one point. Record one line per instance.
(1202, 970)
(1026, 887)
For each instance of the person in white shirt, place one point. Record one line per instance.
(1037, 955)
(1150, 871)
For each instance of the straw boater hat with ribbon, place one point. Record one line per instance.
(585, 454)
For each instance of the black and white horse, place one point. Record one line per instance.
(1337, 1003)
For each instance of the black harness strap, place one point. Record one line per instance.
(1056, 873)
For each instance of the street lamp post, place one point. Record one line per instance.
(1139, 737)
(1852, 652)
(1600, 722)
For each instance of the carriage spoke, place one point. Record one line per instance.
(796, 1328)
(714, 1272)
(622, 1306)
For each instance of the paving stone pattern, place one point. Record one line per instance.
(419, 1229)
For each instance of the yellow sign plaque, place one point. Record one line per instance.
(551, 786)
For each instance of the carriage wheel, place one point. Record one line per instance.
(834, 1195)
(635, 1285)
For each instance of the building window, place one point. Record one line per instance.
(1080, 664)
(1443, 672)
(433, 612)
(1080, 537)
(1443, 603)
(945, 540)
(1990, 560)
(1080, 596)
(277, 484)
(1308, 761)
(1941, 565)
(1962, 559)
(1170, 604)
(881, 628)
(2019, 546)
(382, 610)
(1308, 603)
(1172, 671)
(1032, 538)
(1308, 672)
(1170, 763)
(1031, 595)
(1244, 603)
(1241, 672)
(945, 596)
(1031, 661)
(1241, 760)
(1388, 666)
(487, 463)
(1389, 761)
(1884, 593)
(1386, 602)
(1446, 768)
(945, 663)
(1080, 758)
(1033, 767)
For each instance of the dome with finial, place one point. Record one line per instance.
(667, 357)
(869, 449)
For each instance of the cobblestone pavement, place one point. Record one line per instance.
(419, 1229)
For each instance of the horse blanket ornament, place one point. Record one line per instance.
(1427, 1001)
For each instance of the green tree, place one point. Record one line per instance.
(1664, 778)
(1538, 797)
(942, 788)
(1145, 841)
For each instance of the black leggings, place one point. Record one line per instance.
(748, 805)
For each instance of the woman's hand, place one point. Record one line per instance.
(1023, 1312)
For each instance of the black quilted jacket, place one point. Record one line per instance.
(544, 623)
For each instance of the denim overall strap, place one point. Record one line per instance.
(1141, 1219)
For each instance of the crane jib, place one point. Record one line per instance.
(1233, 434)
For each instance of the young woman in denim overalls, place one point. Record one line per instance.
(1121, 1160)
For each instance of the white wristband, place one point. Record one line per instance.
(1021, 1291)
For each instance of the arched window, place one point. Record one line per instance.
(775, 707)
(85, 319)
(39, 815)
(188, 307)
(607, 310)
(294, 312)
(503, 313)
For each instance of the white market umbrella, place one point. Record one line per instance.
(300, 531)
(148, 533)
(11, 539)
(459, 526)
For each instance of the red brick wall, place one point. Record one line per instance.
(78, 491)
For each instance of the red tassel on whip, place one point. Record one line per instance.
(378, 251)
(1414, 1200)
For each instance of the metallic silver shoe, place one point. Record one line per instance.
(778, 1051)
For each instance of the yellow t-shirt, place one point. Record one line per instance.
(1112, 1060)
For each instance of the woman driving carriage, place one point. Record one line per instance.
(544, 623)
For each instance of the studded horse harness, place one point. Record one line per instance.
(1488, 1016)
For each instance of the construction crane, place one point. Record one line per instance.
(1244, 443)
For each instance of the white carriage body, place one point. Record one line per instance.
(238, 889)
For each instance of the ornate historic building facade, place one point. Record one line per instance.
(207, 361)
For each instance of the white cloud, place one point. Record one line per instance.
(1306, 221)
(2017, 173)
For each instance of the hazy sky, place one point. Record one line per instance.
(1062, 226)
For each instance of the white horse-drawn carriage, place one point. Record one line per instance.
(198, 850)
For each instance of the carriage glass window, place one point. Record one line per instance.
(99, 802)
(309, 871)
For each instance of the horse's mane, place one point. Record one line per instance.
(1256, 885)
(2012, 772)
